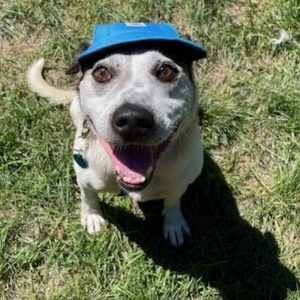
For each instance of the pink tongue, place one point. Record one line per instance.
(131, 162)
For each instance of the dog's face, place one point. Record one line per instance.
(137, 104)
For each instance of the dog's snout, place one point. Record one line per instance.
(132, 122)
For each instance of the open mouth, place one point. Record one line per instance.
(134, 165)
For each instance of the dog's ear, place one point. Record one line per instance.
(74, 66)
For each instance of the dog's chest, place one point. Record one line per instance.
(150, 194)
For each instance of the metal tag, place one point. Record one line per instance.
(79, 146)
(81, 162)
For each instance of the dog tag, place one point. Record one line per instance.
(81, 162)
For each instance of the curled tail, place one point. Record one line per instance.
(38, 84)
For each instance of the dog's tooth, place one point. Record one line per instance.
(118, 169)
(149, 171)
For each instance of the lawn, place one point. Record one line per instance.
(244, 209)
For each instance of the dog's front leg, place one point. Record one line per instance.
(91, 214)
(175, 226)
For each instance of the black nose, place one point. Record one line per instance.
(132, 122)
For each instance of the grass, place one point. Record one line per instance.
(246, 205)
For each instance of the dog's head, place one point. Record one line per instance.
(138, 100)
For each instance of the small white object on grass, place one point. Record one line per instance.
(283, 37)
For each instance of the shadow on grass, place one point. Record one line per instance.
(225, 251)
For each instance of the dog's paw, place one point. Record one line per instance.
(92, 223)
(175, 230)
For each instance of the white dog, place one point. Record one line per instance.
(135, 114)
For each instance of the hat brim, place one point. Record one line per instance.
(181, 47)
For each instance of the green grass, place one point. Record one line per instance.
(246, 206)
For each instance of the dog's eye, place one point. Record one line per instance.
(102, 74)
(166, 73)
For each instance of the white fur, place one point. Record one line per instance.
(177, 167)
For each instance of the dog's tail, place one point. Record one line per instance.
(38, 84)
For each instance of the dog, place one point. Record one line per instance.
(135, 113)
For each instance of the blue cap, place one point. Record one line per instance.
(108, 37)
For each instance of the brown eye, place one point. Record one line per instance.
(166, 73)
(102, 74)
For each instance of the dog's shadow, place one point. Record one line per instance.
(225, 251)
